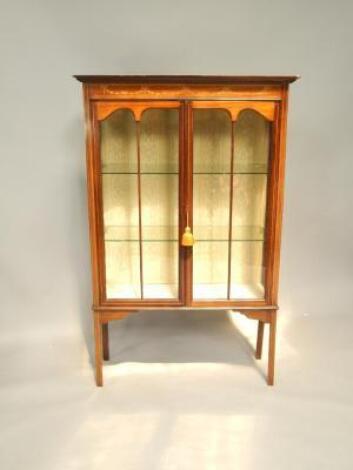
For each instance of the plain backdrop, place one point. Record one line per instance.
(44, 250)
(182, 389)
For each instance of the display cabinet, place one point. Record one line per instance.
(185, 192)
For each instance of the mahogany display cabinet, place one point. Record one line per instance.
(185, 192)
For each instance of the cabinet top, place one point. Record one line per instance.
(197, 79)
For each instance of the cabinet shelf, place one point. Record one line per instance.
(234, 173)
(175, 173)
(249, 169)
(136, 173)
(169, 233)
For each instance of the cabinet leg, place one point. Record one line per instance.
(105, 333)
(272, 349)
(98, 341)
(260, 337)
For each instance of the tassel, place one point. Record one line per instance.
(187, 238)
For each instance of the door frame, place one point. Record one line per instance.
(96, 110)
(100, 110)
(273, 112)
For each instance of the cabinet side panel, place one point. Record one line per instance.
(277, 197)
(91, 194)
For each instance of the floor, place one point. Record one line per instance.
(182, 391)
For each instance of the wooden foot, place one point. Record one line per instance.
(272, 349)
(105, 333)
(260, 337)
(98, 341)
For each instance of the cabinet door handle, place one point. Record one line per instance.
(187, 238)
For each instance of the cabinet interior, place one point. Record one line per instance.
(140, 193)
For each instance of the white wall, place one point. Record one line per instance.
(44, 254)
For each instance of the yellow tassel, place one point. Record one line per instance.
(187, 238)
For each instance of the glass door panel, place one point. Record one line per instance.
(118, 143)
(231, 160)
(212, 141)
(159, 202)
(248, 235)
(212, 130)
(251, 164)
(252, 143)
(140, 180)
(120, 205)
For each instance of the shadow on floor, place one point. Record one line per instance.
(181, 337)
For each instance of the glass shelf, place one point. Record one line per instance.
(135, 173)
(241, 169)
(118, 169)
(169, 233)
(234, 173)
(170, 173)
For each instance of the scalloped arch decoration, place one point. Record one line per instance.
(265, 108)
(104, 109)
(268, 112)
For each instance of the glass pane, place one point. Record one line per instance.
(160, 269)
(251, 162)
(159, 195)
(122, 270)
(252, 143)
(210, 270)
(120, 205)
(211, 207)
(249, 206)
(158, 187)
(213, 278)
(211, 196)
(160, 141)
(212, 143)
(159, 202)
(118, 143)
(247, 270)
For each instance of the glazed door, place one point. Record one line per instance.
(140, 176)
(231, 160)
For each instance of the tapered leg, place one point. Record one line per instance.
(98, 341)
(105, 333)
(272, 349)
(260, 337)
